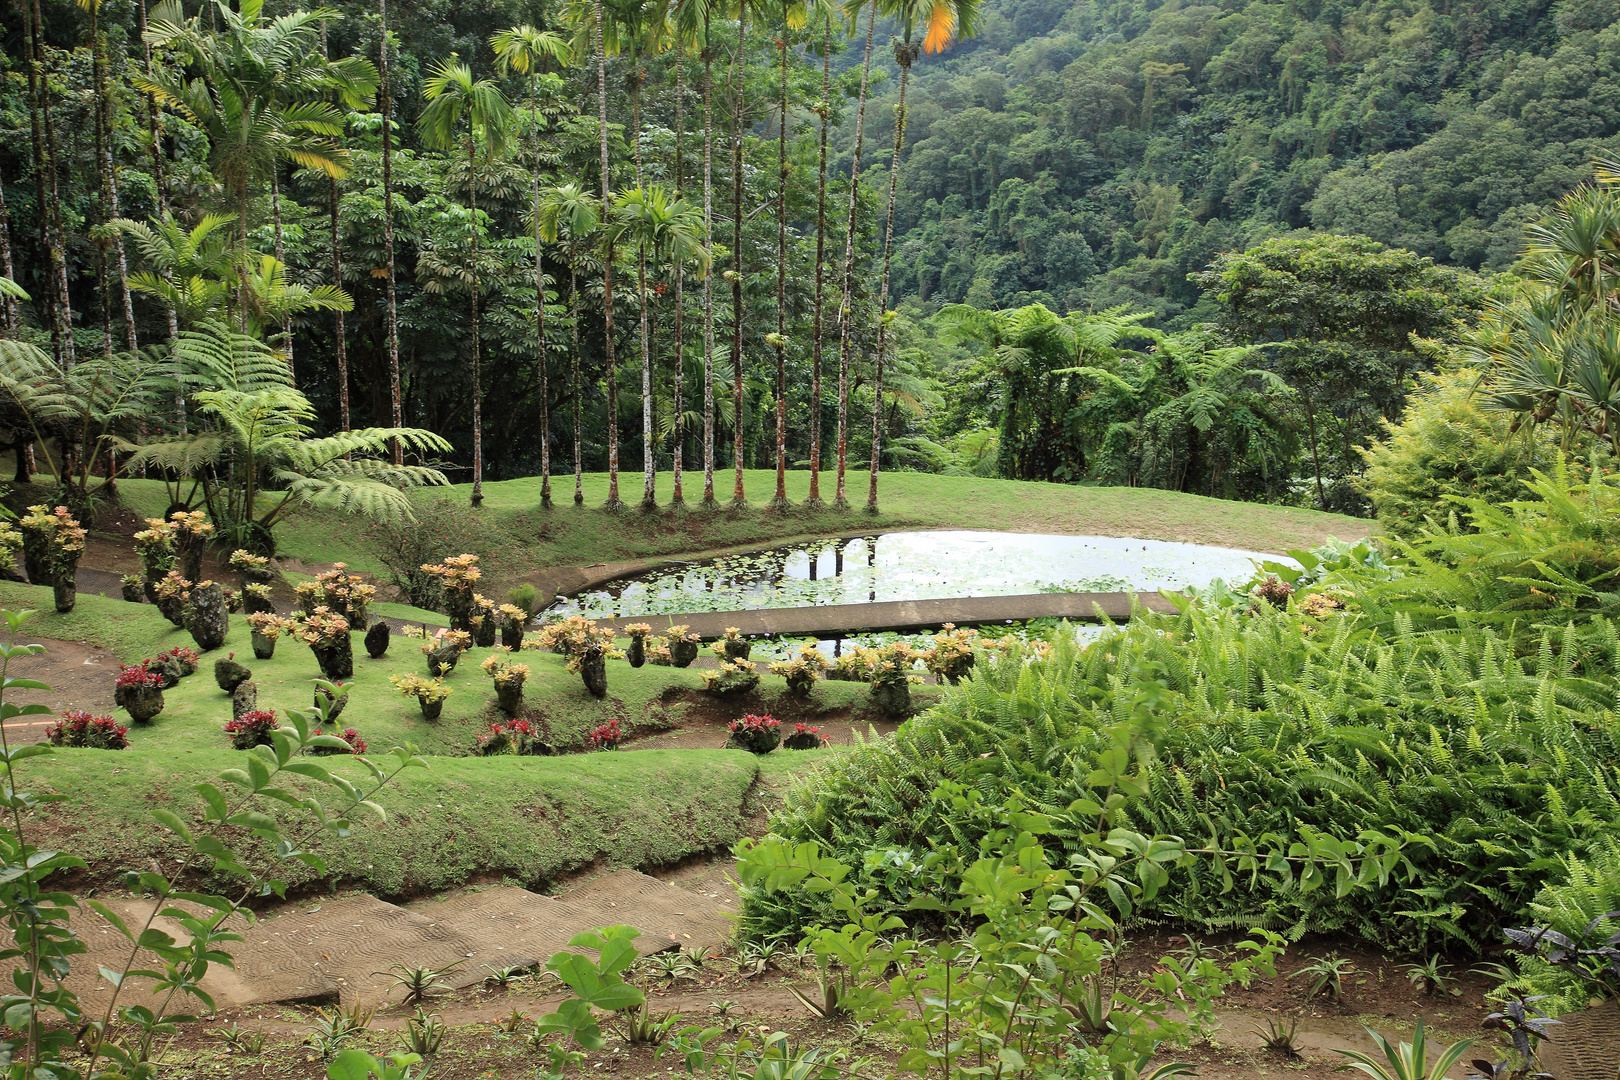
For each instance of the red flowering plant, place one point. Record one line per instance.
(353, 743)
(136, 675)
(251, 729)
(805, 737)
(758, 734)
(79, 728)
(606, 736)
(187, 659)
(513, 737)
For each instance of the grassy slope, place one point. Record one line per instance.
(529, 819)
(521, 539)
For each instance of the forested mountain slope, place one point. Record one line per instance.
(1096, 153)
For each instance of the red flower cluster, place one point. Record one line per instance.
(251, 729)
(357, 745)
(513, 737)
(137, 675)
(605, 736)
(79, 728)
(805, 729)
(188, 657)
(754, 723)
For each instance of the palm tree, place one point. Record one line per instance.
(693, 17)
(391, 327)
(946, 20)
(738, 497)
(43, 137)
(793, 18)
(669, 230)
(106, 176)
(824, 110)
(453, 94)
(525, 50)
(845, 304)
(568, 210)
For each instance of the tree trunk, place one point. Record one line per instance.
(49, 204)
(905, 53)
(340, 333)
(814, 498)
(613, 502)
(738, 497)
(844, 305)
(540, 338)
(13, 314)
(676, 497)
(109, 176)
(477, 375)
(281, 257)
(392, 322)
(649, 466)
(573, 325)
(159, 187)
(708, 279)
(1316, 460)
(780, 502)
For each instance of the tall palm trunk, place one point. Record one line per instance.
(477, 375)
(676, 498)
(391, 328)
(50, 223)
(905, 53)
(543, 360)
(9, 307)
(109, 176)
(339, 331)
(845, 310)
(280, 249)
(738, 496)
(649, 457)
(160, 188)
(814, 498)
(573, 353)
(780, 502)
(708, 279)
(613, 501)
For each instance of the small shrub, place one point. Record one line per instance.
(730, 678)
(457, 577)
(251, 729)
(356, 744)
(326, 632)
(425, 690)
(52, 543)
(443, 648)
(339, 592)
(803, 670)
(952, 655)
(805, 737)
(407, 548)
(587, 646)
(509, 679)
(513, 737)
(606, 736)
(756, 734)
(525, 598)
(79, 729)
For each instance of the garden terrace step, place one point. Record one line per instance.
(341, 950)
(512, 927)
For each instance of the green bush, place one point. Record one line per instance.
(1589, 891)
(1274, 724)
(1446, 444)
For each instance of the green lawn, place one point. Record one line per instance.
(520, 539)
(529, 819)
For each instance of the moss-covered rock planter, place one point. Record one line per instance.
(229, 674)
(637, 652)
(731, 678)
(327, 634)
(244, 699)
(207, 616)
(756, 734)
(891, 698)
(431, 710)
(682, 652)
(377, 640)
(593, 670)
(66, 594)
(131, 589)
(264, 647)
(733, 646)
(429, 693)
(804, 737)
(142, 700)
(336, 658)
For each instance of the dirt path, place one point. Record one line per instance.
(80, 676)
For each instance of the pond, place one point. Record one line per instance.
(911, 566)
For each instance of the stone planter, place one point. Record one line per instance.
(67, 594)
(593, 669)
(357, 619)
(149, 588)
(336, 660)
(682, 653)
(228, 674)
(892, 699)
(142, 702)
(377, 640)
(509, 697)
(485, 633)
(637, 652)
(263, 647)
(256, 605)
(244, 699)
(207, 617)
(134, 594)
(736, 650)
(803, 740)
(174, 609)
(801, 685)
(512, 635)
(442, 661)
(431, 709)
(755, 741)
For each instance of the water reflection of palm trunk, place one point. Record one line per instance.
(871, 564)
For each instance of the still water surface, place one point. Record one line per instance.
(912, 566)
